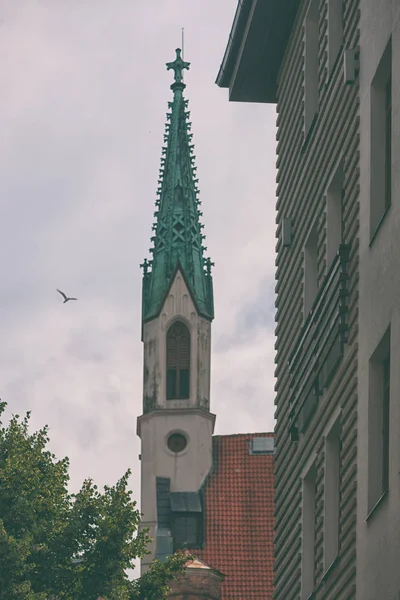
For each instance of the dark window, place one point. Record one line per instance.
(332, 494)
(379, 423)
(381, 141)
(388, 143)
(385, 425)
(177, 442)
(178, 362)
(186, 531)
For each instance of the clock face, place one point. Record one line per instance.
(177, 442)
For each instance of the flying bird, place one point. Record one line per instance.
(66, 298)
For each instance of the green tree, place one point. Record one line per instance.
(68, 546)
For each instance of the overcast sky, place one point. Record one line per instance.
(84, 93)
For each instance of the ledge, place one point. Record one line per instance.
(164, 412)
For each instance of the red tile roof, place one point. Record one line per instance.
(239, 518)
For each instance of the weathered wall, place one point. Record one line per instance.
(162, 417)
(186, 470)
(177, 305)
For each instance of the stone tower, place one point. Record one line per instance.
(176, 426)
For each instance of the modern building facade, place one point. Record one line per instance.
(212, 495)
(378, 520)
(333, 69)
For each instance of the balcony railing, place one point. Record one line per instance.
(320, 345)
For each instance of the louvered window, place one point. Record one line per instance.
(178, 361)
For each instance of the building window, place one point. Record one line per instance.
(177, 442)
(334, 215)
(332, 495)
(311, 65)
(310, 270)
(178, 361)
(381, 140)
(388, 143)
(186, 529)
(187, 520)
(385, 423)
(309, 489)
(335, 31)
(379, 422)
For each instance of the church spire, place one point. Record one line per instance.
(178, 238)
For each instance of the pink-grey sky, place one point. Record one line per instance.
(84, 93)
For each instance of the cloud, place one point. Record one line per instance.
(82, 112)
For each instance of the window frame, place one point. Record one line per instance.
(309, 493)
(310, 283)
(195, 518)
(379, 396)
(335, 32)
(335, 196)
(311, 65)
(333, 446)
(381, 137)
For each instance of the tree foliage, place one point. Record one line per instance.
(68, 546)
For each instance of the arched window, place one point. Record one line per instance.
(178, 361)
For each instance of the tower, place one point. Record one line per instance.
(176, 426)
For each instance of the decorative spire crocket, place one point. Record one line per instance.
(178, 238)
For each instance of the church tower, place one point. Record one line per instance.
(176, 426)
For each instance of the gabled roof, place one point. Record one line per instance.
(239, 518)
(178, 238)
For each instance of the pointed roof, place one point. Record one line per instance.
(178, 239)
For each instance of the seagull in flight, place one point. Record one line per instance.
(66, 298)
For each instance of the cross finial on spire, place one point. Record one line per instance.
(178, 65)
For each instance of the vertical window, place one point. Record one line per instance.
(334, 215)
(311, 64)
(307, 584)
(379, 422)
(186, 530)
(388, 143)
(335, 31)
(385, 423)
(178, 361)
(310, 269)
(332, 495)
(381, 140)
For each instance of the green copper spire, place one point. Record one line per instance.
(178, 238)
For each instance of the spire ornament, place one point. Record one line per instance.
(178, 65)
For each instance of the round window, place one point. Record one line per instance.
(177, 442)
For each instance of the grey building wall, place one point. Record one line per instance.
(310, 155)
(378, 530)
(325, 62)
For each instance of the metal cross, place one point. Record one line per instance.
(208, 265)
(145, 265)
(178, 65)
